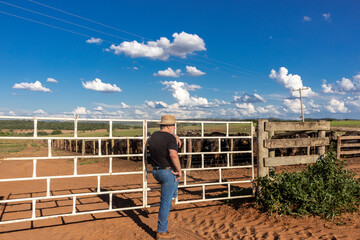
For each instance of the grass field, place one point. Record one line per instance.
(350, 123)
(12, 146)
(182, 129)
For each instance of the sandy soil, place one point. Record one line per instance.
(211, 220)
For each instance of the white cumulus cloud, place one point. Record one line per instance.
(182, 45)
(156, 104)
(342, 86)
(313, 107)
(357, 77)
(180, 92)
(36, 86)
(168, 73)
(327, 88)
(346, 85)
(248, 98)
(269, 110)
(292, 105)
(220, 102)
(353, 101)
(99, 108)
(94, 40)
(193, 71)
(291, 82)
(139, 112)
(81, 110)
(336, 106)
(135, 49)
(52, 80)
(98, 85)
(124, 105)
(39, 111)
(246, 108)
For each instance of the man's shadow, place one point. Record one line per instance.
(119, 202)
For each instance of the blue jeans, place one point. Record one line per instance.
(168, 191)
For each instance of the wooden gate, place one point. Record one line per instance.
(267, 144)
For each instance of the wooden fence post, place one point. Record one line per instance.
(76, 146)
(263, 152)
(321, 150)
(271, 151)
(338, 147)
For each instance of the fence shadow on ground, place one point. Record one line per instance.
(133, 214)
(118, 201)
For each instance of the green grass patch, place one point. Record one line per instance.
(348, 123)
(9, 146)
(36, 146)
(324, 188)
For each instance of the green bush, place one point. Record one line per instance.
(6, 134)
(42, 133)
(56, 132)
(324, 188)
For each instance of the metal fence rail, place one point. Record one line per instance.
(144, 189)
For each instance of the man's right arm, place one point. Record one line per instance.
(176, 162)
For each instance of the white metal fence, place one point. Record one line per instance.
(144, 189)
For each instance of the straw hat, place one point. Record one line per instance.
(167, 120)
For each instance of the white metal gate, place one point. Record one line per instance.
(145, 189)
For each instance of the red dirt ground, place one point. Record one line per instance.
(212, 220)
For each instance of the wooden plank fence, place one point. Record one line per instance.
(266, 145)
(348, 145)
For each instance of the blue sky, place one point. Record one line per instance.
(194, 59)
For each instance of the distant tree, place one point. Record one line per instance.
(42, 133)
(56, 132)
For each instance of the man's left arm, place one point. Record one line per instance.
(178, 141)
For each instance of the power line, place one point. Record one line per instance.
(59, 19)
(142, 37)
(231, 69)
(243, 69)
(106, 34)
(74, 15)
(13, 15)
(84, 35)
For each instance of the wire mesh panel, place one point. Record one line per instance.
(59, 167)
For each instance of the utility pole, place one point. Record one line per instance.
(302, 110)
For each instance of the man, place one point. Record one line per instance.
(163, 146)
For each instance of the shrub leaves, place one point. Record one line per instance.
(324, 188)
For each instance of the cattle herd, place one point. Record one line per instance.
(215, 154)
(214, 151)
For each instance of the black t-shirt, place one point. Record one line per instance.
(159, 145)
